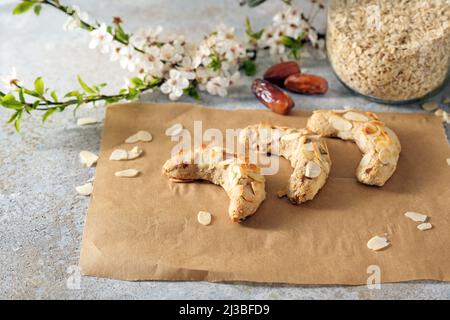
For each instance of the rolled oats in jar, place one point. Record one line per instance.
(390, 51)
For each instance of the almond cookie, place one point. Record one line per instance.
(242, 181)
(307, 152)
(379, 144)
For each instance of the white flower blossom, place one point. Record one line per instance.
(102, 38)
(10, 80)
(146, 37)
(74, 21)
(218, 86)
(171, 53)
(175, 85)
(128, 58)
(152, 64)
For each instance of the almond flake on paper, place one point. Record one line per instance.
(174, 130)
(86, 121)
(425, 226)
(204, 218)
(134, 153)
(118, 155)
(142, 135)
(378, 243)
(128, 173)
(88, 158)
(416, 216)
(85, 189)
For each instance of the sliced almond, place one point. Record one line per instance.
(445, 117)
(88, 158)
(118, 155)
(85, 189)
(134, 153)
(415, 216)
(128, 173)
(439, 113)
(425, 226)
(377, 243)
(448, 161)
(174, 130)
(355, 116)
(204, 218)
(340, 124)
(430, 106)
(143, 136)
(86, 121)
(312, 170)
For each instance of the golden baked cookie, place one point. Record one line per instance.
(307, 152)
(242, 181)
(379, 144)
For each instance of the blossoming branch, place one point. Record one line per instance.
(164, 61)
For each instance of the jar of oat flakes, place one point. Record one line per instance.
(390, 51)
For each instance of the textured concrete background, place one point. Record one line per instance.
(42, 217)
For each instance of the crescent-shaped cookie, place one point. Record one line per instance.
(379, 144)
(242, 181)
(307, 153)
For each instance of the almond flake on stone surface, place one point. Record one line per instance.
(118, 154)
(128, 173)
(134, 153)
(439, 113)
(204, 218)
(377, 243)
(340, 124)
(312, 170)
(174, 130)
(86, 121)
(88, 158)
(143, 136)
(85, 189)
(416, 216)
(430, 106)
(354, 116)
(425, 226)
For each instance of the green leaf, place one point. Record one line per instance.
(54, 96)
(13, 117)
(48, 113)
(39, 86)
(215, 63)
(85, 87)
(72, 94)
(37, 9)
(17, 120)
(21, 96)
(249, 67)
(137, 82)
(254, 36)
(192, 92)
(121, 35)
(10, 102)
(23, 7)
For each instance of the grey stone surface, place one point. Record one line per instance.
(41, 217)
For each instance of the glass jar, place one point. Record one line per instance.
(390, 51)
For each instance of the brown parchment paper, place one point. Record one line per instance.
(146, 228)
